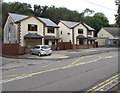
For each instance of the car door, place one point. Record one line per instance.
(35, 49)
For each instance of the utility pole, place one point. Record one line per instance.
(117, 2)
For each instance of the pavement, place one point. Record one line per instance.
(13, 62)
(63, 54)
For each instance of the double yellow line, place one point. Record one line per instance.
(103, 84)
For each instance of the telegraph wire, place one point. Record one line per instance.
(99, 5)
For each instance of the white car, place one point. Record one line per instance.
(41, 50)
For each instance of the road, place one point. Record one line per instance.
(74, 74)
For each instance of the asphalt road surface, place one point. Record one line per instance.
(73, 74)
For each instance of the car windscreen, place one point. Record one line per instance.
(45, 47)
(36, 47)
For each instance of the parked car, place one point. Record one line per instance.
(41, 50)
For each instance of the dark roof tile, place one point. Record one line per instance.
(33, 35)
(114, 31)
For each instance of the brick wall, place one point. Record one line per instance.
(81, 46)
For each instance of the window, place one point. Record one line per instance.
(9, 30)
(36, 47)
(68, 33)
(61, 32)
(50, 29)
(80, 31)
(89, 32)
(32, 27)
(45, 47)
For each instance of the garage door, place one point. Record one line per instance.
(33, 42)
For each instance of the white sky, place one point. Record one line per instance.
(109, 8)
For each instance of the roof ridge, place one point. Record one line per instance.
(18, 14)
(43, 17)
(70, 21)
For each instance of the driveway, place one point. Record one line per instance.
(63, 54)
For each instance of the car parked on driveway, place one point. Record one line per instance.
(41, 50)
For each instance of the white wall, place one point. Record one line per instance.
(13, 31)
(80, 26)
(24, 28)
(103, 33)
(65, 30)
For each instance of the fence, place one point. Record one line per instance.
(10, 49)
(64, 45)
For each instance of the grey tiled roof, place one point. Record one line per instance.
(51, 37)
(33, 35)
(73, 24)
(113, 31)
(81, 36)
(91, 38)
(18, 17)
(48, 22)
(69, 23)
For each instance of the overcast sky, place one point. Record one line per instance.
(107, 7)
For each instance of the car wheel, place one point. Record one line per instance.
(50, 54)
(39, 54)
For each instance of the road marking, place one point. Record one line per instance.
(102, 83)
(79, 59)
(73, 64)
(36, 73)
(27, 75)
(106, 84)
(55, 57)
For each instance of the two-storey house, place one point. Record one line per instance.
(30, 30)
(78, 33)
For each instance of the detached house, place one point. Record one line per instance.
(109, 36)
(28, 31)
(79, 34)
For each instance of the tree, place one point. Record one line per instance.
(61, 13)
(40, 10)
(87, 12)
(97, 21)
(15, 7)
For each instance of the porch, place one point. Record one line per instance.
(32, 39)
(51, 41)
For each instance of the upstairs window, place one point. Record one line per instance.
(89, 32)
(32, 27)
(51, 30)
(80, 31)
